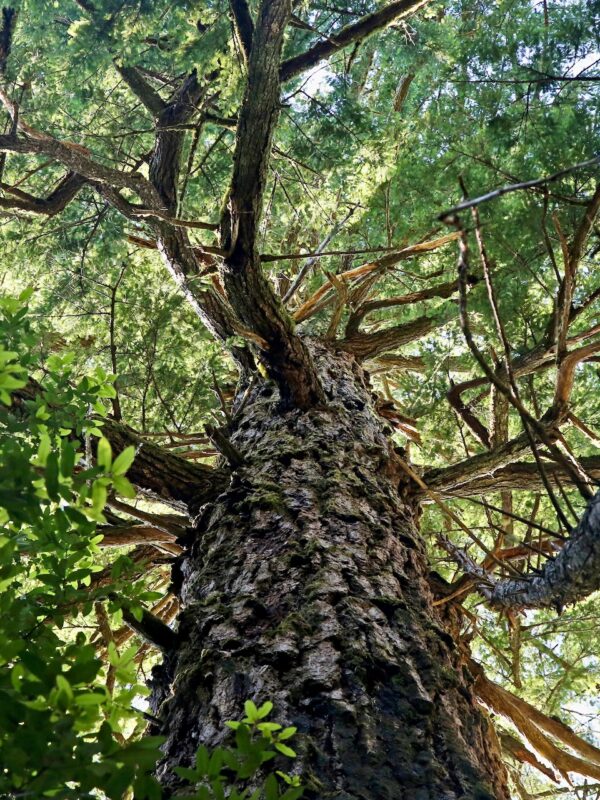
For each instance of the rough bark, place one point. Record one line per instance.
(571, 576)
(248, 291)
(306, 583)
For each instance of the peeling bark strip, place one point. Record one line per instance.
(285, 357)
(307, 584)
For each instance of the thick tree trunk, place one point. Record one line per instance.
(307, 585)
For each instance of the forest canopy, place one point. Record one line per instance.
(198, 201)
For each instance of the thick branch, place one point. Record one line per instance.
(163, 475)
(285, 357)
(369, 345)
(585, 227)
(244, 27)
(9, 16)
(157, 472)
(76, 158)
(351, 33)
(572, 575)
(479, 475)
(141, 89)
(441, 290)
(152, 630)
(57, 200)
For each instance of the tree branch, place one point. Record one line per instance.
(479, 474)
(285, 356)
(159, 473)
(166, 476)
(572, 575)
(369, 345)
(152, 630)
(244, 27)
(351, 33)
(57, 200)
(149, 98)
(9, 16)
(76, 159)
(441, 290)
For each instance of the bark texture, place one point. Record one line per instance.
(307, 584)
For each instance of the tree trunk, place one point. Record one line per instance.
(307, 585)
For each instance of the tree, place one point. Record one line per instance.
(300, 571)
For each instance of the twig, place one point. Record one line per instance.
(484, 198)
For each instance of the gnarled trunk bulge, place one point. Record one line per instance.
(307, 585)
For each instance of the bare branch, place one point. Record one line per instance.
(534, 725)
(514, 187)
(325, 294)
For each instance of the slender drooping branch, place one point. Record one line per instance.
(515, 187)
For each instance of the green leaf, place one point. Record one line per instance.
(124, 487)
(251, 711)
(265, 709)
(104, 454)
(123, 461)
(285, 750)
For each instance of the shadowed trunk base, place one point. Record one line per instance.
(306, 585)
